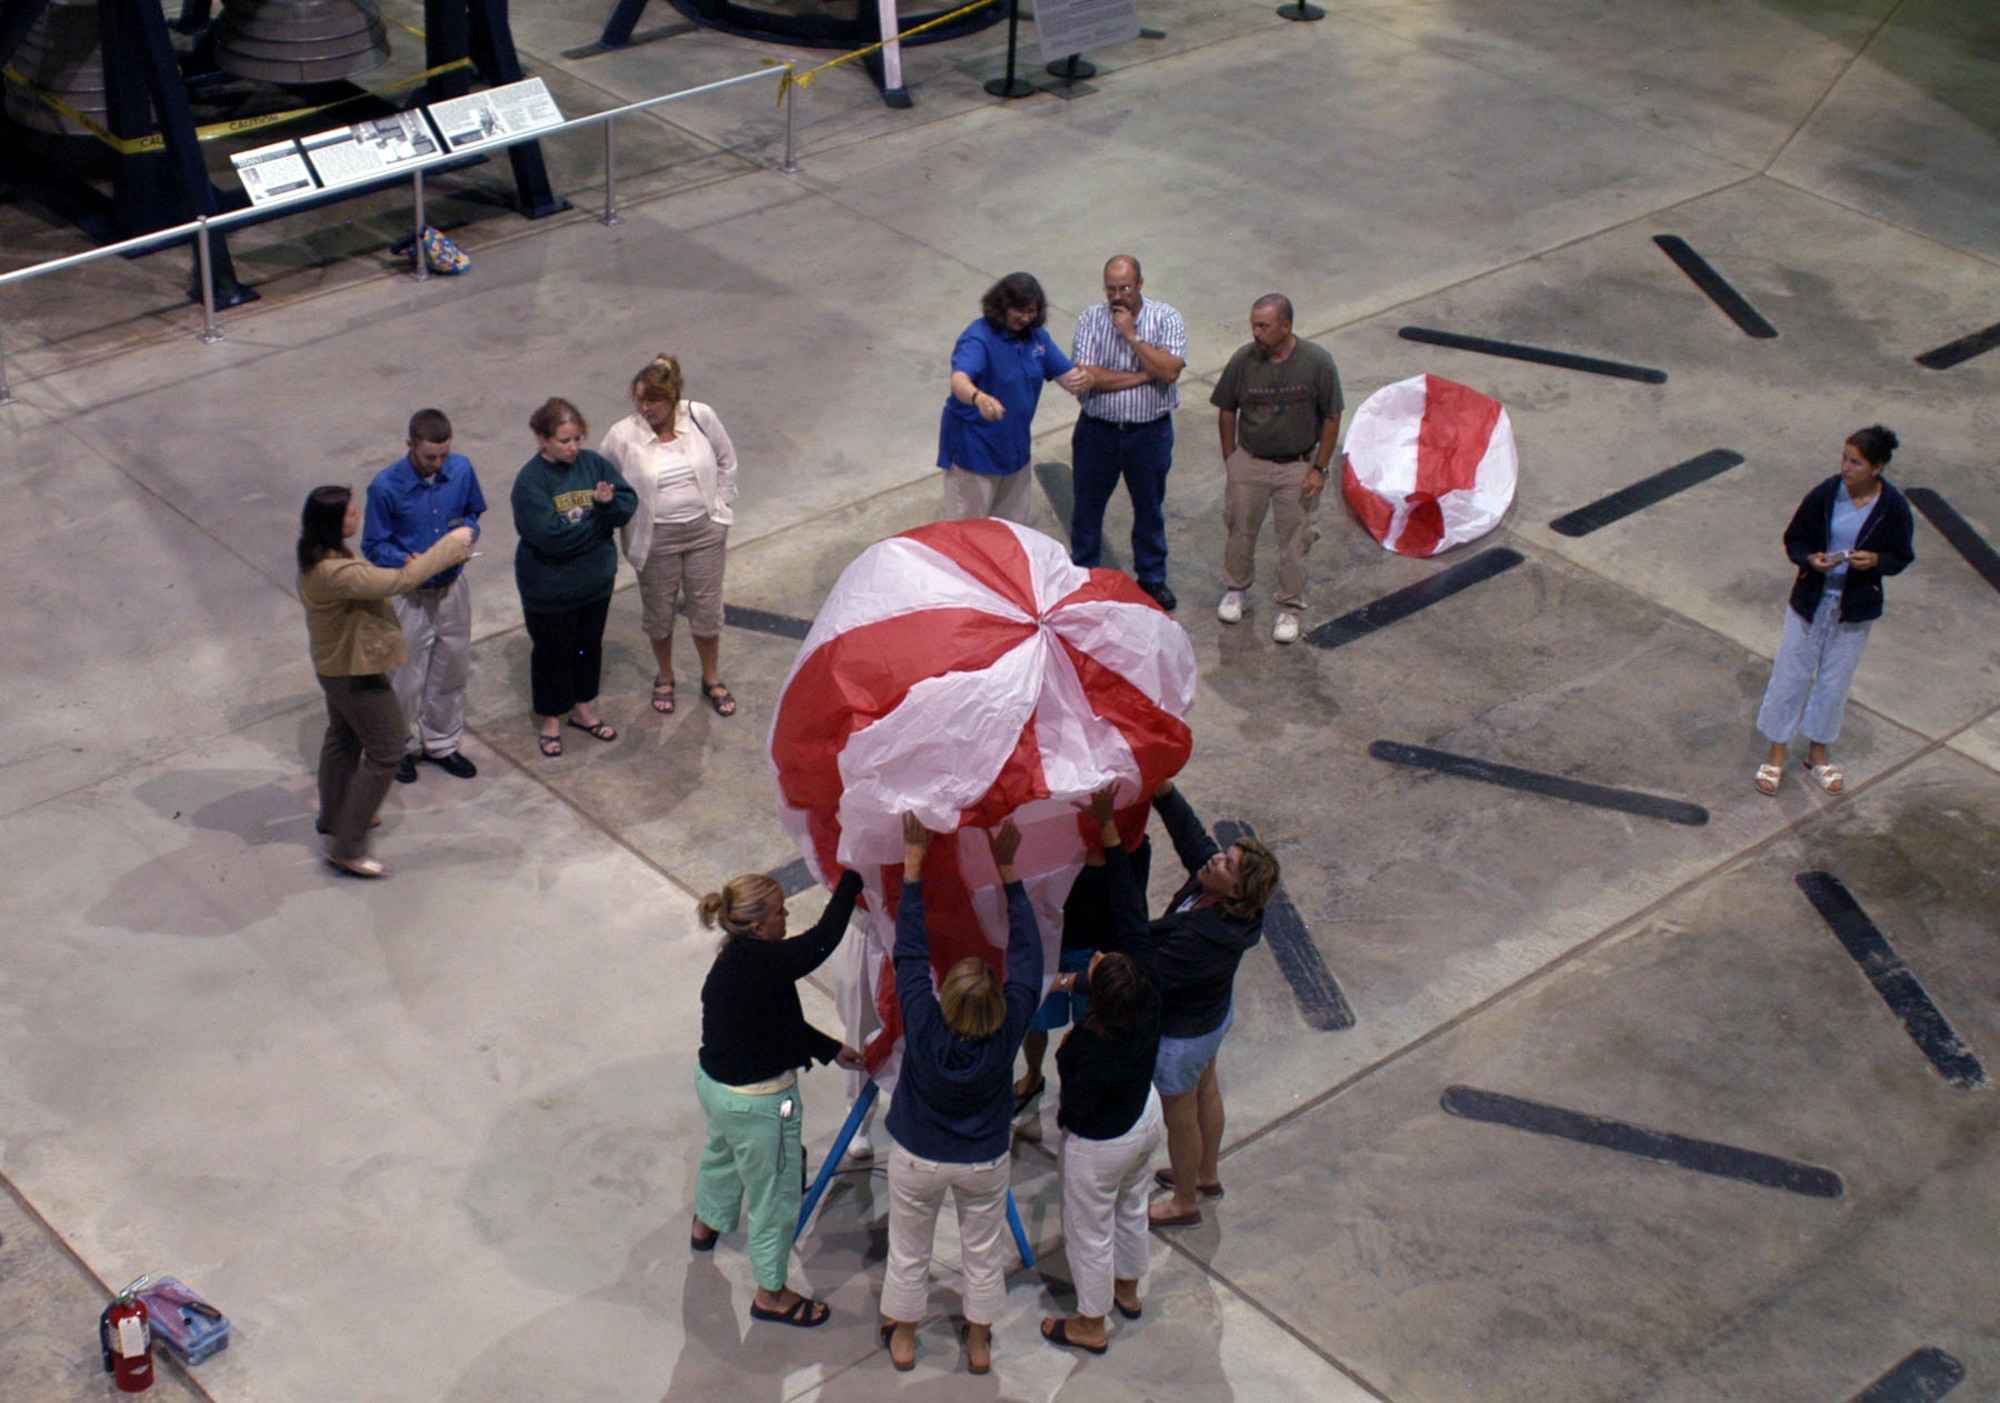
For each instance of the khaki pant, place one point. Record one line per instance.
(916, 1192)
(1253, 485)
(968, 496)
(430, 685)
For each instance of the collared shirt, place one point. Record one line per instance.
(1098, 343)
(407, 513)
(1012, 370)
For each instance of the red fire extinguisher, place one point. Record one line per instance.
(127, 1338)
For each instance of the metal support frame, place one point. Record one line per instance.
(204, 230)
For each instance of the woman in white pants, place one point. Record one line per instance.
(1110, 1114)
(953, 1105)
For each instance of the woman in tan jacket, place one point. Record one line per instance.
(356, 644)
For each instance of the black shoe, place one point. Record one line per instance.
(454, 764)
(406, 770)
(1162, 595)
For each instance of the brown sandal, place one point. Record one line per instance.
(663, 697)
(719, 698)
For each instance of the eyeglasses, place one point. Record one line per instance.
(1120, 289)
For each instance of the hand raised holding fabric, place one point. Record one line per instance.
(1004, 842)
(916, 843)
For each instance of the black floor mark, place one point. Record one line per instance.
(1884, 968)
(1963, 349)
(1618, 370)
(1954, 528)
(757, 621)
(794, 877)
(1703, 1156)
(1286, 932)
(1576, 791)
(1421, 595)
(1924, 1376)
(1732, 302)
(1646, 492)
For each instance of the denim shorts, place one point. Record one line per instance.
(1058, 1009)
(1179, 1067)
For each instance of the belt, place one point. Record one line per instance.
(1283, 457)
(1124, 426)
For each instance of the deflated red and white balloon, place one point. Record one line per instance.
(967, 672)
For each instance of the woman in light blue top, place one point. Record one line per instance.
(1848, 533)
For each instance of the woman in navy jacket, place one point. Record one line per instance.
(1848, 533)
(954, 1104)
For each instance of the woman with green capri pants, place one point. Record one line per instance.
(754, 1038)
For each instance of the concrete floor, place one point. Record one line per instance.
(433, 1138)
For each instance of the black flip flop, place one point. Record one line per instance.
(800, 1313)
(1056, 1332)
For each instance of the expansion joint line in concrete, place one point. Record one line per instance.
(1860, 51)
(48, 1230)
(1625, 925)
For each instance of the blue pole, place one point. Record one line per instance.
(1020, 1232)
(826, 1171)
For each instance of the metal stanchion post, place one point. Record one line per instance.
(1010, 86)
(210, 333)
(421, 269)
(791, 165)
(1300, 10)
(610, 215)
(6, 395)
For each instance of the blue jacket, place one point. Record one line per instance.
(1888, 530)
(955, 1099)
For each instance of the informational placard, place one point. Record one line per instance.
(478, 119)
(272, 171)
(1067, 27)
(366, 150)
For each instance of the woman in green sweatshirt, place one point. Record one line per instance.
(568, 505)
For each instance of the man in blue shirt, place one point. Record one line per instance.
(411, 503)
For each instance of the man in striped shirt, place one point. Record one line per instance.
(1134, 350)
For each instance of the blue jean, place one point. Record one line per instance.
(1101, 453)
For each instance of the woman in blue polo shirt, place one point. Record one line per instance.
(997, 370)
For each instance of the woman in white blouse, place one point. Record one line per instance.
(678, 458)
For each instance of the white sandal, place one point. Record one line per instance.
(1826, 776)
(1769, 777)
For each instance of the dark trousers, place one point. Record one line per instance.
(1101, 453)
(566, 657)
(365, 731)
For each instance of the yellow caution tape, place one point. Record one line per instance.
(133, 146)
(805, 80)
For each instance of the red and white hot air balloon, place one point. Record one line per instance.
(1430, 464)
(967, 672)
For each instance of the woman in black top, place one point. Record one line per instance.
(1195, 947)
(1110, 1113)
(1848, 533)
(754, 1038)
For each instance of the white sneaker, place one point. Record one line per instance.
(1286, 630)
(1230, 610)
(861, 1147)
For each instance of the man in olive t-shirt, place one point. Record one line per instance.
(1280, 408)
